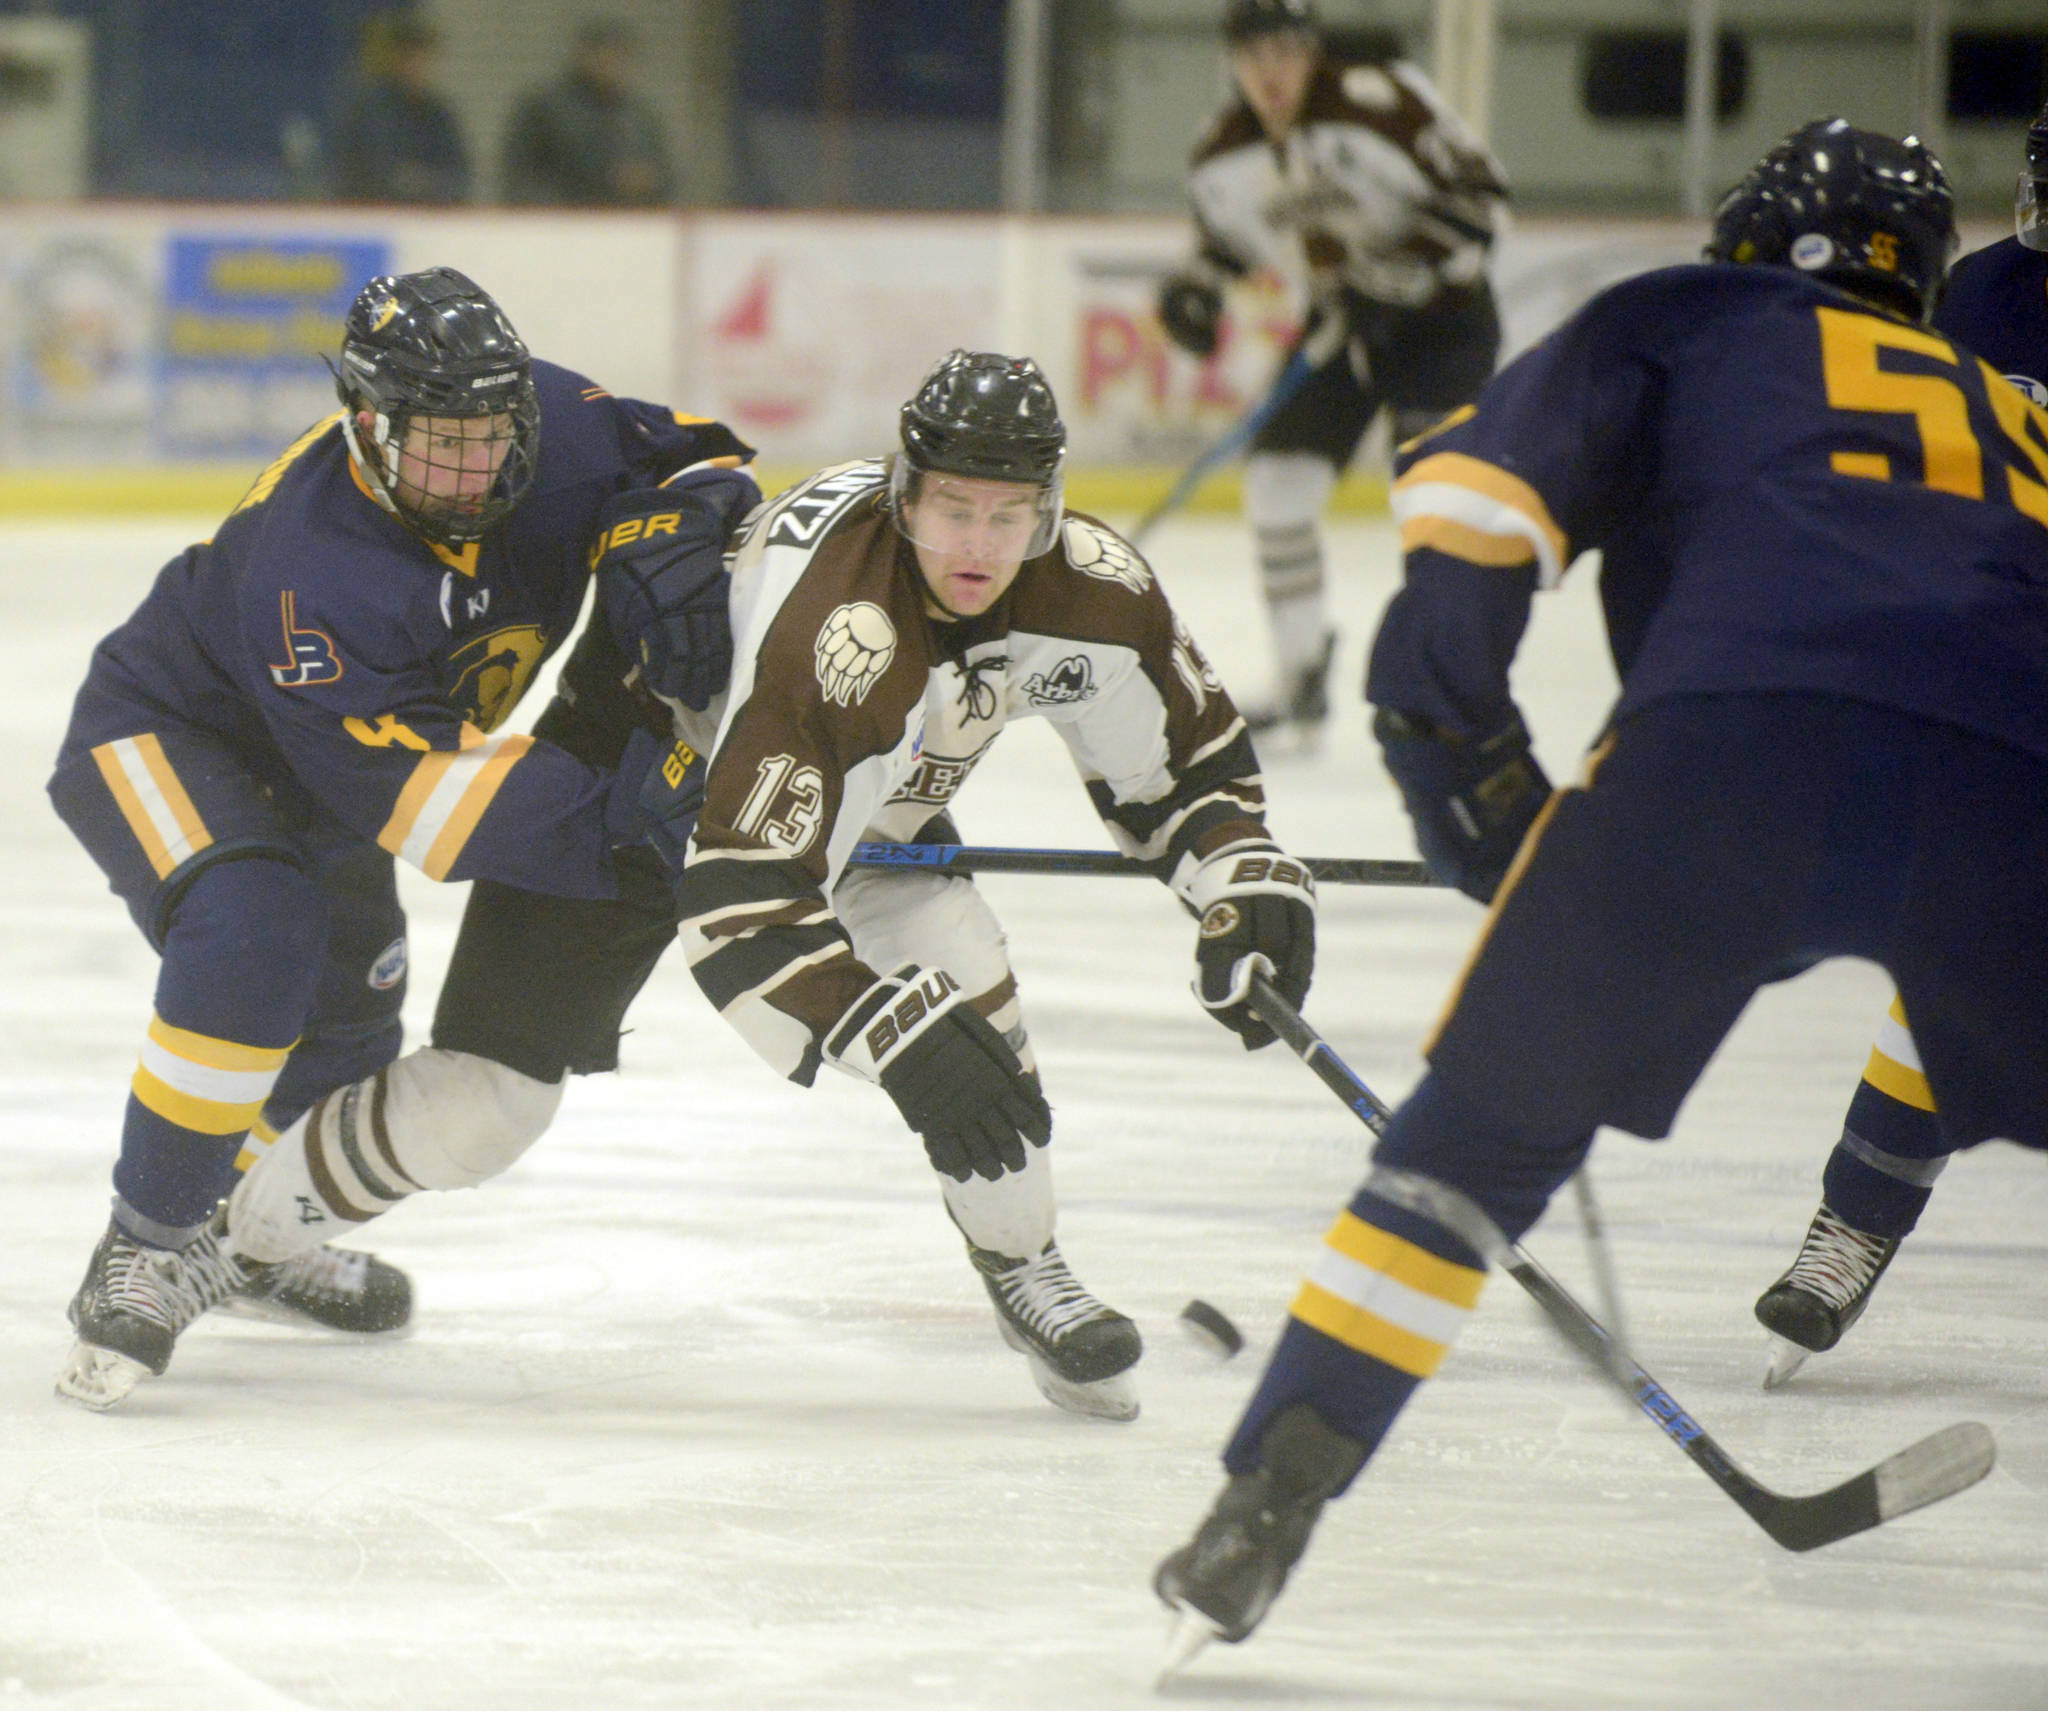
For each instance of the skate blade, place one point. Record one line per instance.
(271, 1313)
(1190, 1634)
(1113, 1398)
(1787, 1357)
(99, 1378)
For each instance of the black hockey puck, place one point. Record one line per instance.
(1211, 1329)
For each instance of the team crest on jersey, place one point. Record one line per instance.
(1094, 551)
(492, 673)
(853, 650)
(1072, 680)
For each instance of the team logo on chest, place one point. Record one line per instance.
(853, 650)
(1072, 680)
(492, 673)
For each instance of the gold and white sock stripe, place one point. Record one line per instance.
(445, 798)
(215, 1087)
(151, 799)
(1385, 1297)
(1894, 1066)
(262, 1137)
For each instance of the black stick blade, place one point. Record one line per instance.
(1950, 1460)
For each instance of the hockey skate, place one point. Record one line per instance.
(326, 1288)
(1306, 705)
(1080, 1352)
(1223, 1581)
(1811, 1307)
(132, 1305)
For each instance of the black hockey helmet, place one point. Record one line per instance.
(2030, 204)
(1870, 213)
(990, 418)
(1245, 19)
(434, 344)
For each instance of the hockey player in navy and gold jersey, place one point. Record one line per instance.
(1362, 189)
(1881, 1173)
(317, 689)
(1824, 532)
(889, 619)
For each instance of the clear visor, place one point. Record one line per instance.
(2030, 211)
(964, 516)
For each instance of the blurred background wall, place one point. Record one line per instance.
(848, 187)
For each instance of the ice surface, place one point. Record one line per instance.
(706, 1408)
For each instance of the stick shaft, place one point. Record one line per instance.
(975, 858)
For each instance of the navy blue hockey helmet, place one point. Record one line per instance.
(1870, 213)
(989, 418)
(1244, 20)
(434, 344)
(2030, 204)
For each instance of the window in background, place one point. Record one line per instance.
(1640, 74)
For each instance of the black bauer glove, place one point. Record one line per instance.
(656, 797)
(1191, 311)
(659, 557)
(1258, 912)
(1473, 800)
(954, 1078)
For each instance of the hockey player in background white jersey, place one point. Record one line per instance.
(1362, 189)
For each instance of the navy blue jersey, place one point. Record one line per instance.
(343, 658)
(1996, 304)
(1790, 491)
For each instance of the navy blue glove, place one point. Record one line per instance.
(657, 796)
(1473, 800)
(659, 556)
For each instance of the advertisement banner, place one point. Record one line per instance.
(247, 320)
(810, 333)
(80, 353)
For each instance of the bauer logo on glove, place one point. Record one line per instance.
(1258, 915)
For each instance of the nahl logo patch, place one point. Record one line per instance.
(853, 650)
(1072, 680)
(389, 968)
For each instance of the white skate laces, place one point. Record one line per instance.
(1837, 1264)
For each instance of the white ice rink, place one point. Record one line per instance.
(705, 1407)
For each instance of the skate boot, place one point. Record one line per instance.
(1306, 703)
(326, 1288)
(1812, 1306)
(1079, 1350)
(132, 1305)
(1225, 1579)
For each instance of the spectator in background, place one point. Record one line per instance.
(398, 140)
(589, 137)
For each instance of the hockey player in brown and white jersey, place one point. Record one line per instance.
(889, 619)
(1365, 192)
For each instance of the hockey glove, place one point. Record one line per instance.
(954, 1078)
(1473, 800)
(1258, 911)
(1191, 311)
(656, 797)
(659, 555)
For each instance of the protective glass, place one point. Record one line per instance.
(968, 516)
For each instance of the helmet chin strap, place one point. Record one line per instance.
(371, 469)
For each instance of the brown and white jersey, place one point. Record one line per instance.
(1379, 188)
(854, 715)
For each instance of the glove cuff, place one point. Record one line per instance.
(883, 1021)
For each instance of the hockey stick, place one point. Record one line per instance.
(972, 858)
(1604, 1279)
(1938, 1466)
(1293, 376)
